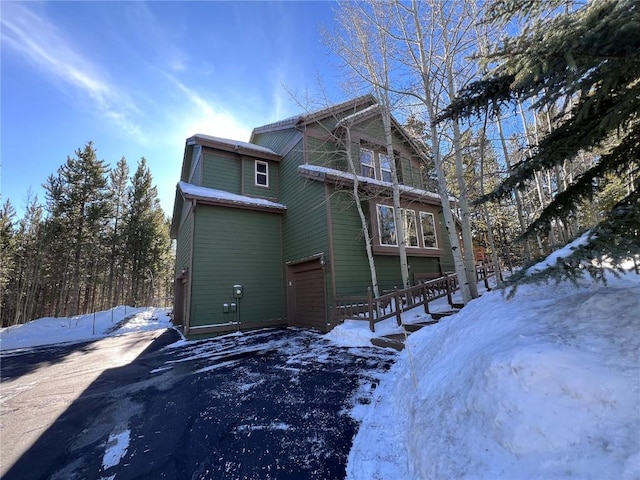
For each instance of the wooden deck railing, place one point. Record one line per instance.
(392, 304)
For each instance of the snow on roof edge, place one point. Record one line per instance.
(235, 143)
(371, 181)
(213, 194)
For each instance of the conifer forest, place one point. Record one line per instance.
(100, 239)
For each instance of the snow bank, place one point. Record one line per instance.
(545, 385)
(115, 321)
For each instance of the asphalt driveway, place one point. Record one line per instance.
(272, 404)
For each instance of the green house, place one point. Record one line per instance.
(268, 232)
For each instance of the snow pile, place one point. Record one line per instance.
(545, 385)
(116, 321)
(557, 256)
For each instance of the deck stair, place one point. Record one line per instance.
(414, 327)
(395, 340)
(446, 313)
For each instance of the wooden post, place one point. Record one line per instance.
(449, 298)
(397, 297)
(425, 298)
(372, 323)
(485, 272)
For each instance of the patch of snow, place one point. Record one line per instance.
(213, 194)
(117, 446)
(557, 256)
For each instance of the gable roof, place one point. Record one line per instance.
(226, 144)
(364, 101)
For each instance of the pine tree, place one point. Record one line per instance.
(147, 236)
(118, 180)
(586, 62)
(78, 205)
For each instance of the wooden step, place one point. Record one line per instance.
(414, 327)
(390, 341)
(457, 305)
(439, 315)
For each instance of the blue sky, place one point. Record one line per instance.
(138, 78)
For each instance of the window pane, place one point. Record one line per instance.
(386, 225)
(410, 227)
(428, 230)
(385, 167)
(366, 163)
(262, 173)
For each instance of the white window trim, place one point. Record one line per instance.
(378, 207)
(382, 170)
(435, 231)
(373, 162)
(403, 212)
(260, 174)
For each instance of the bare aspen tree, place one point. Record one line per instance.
(365, 47)
(423, 58)
(363, 219)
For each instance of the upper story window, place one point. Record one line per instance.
(385, 167)
(427, 222)
(375, 164)
(262, 173)
(366, 163)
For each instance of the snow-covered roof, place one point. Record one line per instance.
(314, 116)
(236, 144)
(355, 116)
(324, 171)
(226, 198)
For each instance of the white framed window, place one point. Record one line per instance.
(262, 173)
(428, 226)
(385, 167)
(367, 168)
(410, 227)
(386, 225)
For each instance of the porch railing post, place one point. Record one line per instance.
(372, 323)
(448, 283)
(425, 298)
(397, 297)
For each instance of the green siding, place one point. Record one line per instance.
(250, 188)
(350, 257)
(221, 173)
(327, 154)
(234, 246)
(277, 141)
(305, 223)
(183, 241)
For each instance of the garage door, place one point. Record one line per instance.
(306, 299)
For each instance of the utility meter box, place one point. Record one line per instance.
(237, 291)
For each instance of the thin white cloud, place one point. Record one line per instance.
(204, 117)
(45, 47)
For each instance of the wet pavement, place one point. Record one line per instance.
(271, 404)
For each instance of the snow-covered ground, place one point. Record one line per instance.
(116, 321)
(544, 385)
